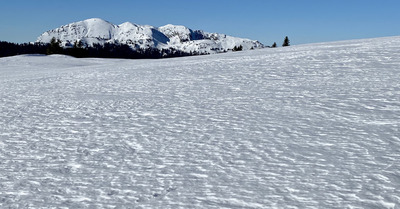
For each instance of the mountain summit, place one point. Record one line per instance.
(176, 37)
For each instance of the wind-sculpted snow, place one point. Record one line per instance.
(312, 126)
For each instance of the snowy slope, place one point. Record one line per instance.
(98, 31)
(89, 31)
(311, 126)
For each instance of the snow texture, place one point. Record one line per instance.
(98, 31)
(310, 126)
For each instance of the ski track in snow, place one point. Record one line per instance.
(310, 126)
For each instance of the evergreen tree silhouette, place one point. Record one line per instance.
(286, 42)
(54, 47)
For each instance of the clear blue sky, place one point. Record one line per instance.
(304, 21)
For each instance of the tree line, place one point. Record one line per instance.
(108, 50)
(12, 49)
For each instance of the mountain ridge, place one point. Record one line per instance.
(177, 37)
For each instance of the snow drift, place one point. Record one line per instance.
(311, 126)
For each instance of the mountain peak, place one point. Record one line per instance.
(173, 26)
(128, 24)
(94, 20)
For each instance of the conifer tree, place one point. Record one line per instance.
(54, 47)
(274, 45)
(286, 42)
(237, 48)
(78, 50)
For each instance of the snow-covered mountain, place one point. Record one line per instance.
(98, 31)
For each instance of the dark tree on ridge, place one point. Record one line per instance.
(286, 42)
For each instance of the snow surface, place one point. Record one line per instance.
(311, 126)
(98, 31)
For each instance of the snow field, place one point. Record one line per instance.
(310, 126)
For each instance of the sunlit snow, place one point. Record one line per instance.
(98, 31)
(310, 126)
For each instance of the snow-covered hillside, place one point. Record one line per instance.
(98, 31)
(311, 126)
